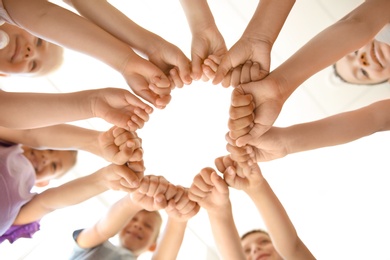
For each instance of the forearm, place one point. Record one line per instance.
(117, 216)
(68, 29)
(68, 194)
(282, 232)
(344, 37)
(198, 14)
(112, 20)
(268, 20)
(31, 110)
(169, 245)
(225, 234)
(59, 137)
(338, 129)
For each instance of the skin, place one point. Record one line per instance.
(258, 246)
(49, 164)
(140, 233)
(28, 55)
(368, 65)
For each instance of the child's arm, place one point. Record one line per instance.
(343, 37)
(115, 145)
(180, 209)
(116, 177)
(211, 192)
(157, 50)
(31, 110)
(68, 29)
(124, 210)
(282, 232)
(334, 130)
(206, 38)
(258, 38)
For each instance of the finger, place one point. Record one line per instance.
(184, 69)
(162, 187)
(171, 191)
(222, 70)
(219, 183)
(175, 78)
(236, 76)
(196, 69)
(206, 173)
(162, 101)
(239, 98)
(142, 114)
(240, 123)
(194, 190)
(137, 156)
(256, 73)
(129, 176)
(241, 111)
(226, 82)
(160, 201)
(219, 164)
(135, 101)
(246, 72)
(235, 134)
(209, 62)
(201, 184)
(153, 185)
(208, 71)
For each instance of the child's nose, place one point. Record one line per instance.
(363, 59)
(29, 52)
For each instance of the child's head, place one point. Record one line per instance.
(49, 164)
(369, 65)
(257, 243)
(141, 232)
(28, 55)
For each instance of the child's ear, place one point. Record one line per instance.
(153, 247)
(42, 184)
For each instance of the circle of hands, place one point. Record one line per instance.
(256, 102)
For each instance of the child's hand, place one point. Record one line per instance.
(153, 193)
(121, 177)
(205, 42)
(118, 107)
(172, 61)
(209, 190)
(242, 51)
(147, 80)
(236, 76)
(180, 207)
(119, 146)
(241, 114)
(267, 100)
(251, 181)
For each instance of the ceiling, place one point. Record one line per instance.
(336, 197)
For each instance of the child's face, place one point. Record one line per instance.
(49, 164)
(368, 65)
(140, 234)
(259, 246)
(27, 55)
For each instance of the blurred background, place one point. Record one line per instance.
(337, 197)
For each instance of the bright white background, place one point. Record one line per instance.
(336, 197)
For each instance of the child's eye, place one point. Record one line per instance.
(33, 65)
(39, 42)
(54, 166)
(364, 73)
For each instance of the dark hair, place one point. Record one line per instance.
(345, 81)
(253, 232)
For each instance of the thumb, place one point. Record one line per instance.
(223, 69)
(219, 183)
